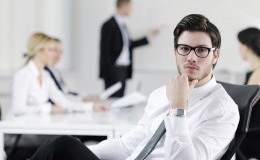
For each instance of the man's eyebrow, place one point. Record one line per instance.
(201, 45)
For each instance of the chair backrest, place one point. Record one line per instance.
(245, 96)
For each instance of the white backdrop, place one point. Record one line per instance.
(20, 18)
(78, 22)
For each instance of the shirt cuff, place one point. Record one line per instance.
(176, 126)
(149, 38)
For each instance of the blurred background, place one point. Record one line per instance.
(77, 23)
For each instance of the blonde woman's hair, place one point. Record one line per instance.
(36, 42)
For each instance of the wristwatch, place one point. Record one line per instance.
(178, 112)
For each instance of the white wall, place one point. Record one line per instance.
(87, 16)
(20, 18)
(77, 23)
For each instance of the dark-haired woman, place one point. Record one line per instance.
(250, 51)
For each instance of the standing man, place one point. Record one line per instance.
(116, 48)
(191, 118)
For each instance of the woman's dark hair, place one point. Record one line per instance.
(251, 38)
(198, 23)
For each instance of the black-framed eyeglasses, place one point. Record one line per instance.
(201, 52)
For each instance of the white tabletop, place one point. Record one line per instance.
(82, 120)
(112, 123)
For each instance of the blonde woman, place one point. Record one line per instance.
(33, 86)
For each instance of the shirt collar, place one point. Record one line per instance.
(200, 92)
(119, 19)
(32, 66)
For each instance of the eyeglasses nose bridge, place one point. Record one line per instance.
(192, 55)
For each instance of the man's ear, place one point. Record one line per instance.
(215, 56)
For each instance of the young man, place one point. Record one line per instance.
(199, 116)
(116, 48)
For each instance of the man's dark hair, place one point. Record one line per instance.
(251, 38)
(119, 3)
(198, 23)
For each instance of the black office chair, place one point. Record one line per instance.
(245, 97)
(10, 151)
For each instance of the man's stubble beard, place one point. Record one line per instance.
(205, 74)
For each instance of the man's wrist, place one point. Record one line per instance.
(178, 105)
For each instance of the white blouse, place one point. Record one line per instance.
(31, 97)
(210, 125)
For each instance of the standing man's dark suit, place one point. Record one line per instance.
(110, 49)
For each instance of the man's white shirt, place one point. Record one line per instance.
(210, 125)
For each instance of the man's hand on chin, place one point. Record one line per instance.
(178, 90)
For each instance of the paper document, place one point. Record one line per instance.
(111, 90)
(129, 100)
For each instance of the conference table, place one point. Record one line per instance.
(112, 123)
